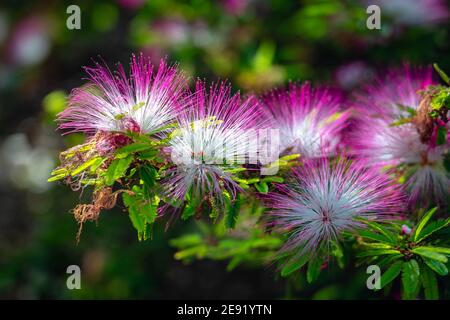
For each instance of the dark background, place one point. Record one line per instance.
(256, 44)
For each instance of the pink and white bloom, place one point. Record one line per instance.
(325, 199)
(144, 102)
(310, 120)
(379, 136)
(215, 134)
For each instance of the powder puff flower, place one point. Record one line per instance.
(309, 119)
(218, 132)
(325, 199)
(380, 136)
(396, 94)
(144, 102)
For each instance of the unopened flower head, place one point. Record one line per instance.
(309, 119)
(216, 133)
(144, 102)
(386, 133)
(325, 199)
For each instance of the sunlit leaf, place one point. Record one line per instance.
(436, 266)
(410, 277)
(443, 75)
(423, 221)
(422, 251)
(391, 273)
(429, 283)
(85, 165)
(117, 169)
(313, 271)
(293, 265)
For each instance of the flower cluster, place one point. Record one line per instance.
(341, 162)
(394, 128)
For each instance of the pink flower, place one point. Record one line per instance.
(310, 119)
(145, 102)
(324, 199)
(381, 137)
(214, 135)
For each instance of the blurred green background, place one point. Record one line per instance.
(256, 44)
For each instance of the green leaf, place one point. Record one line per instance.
(290, 157)
(96, 164)
(440, 101)
(313, 271)
(136, 220)
(117, 169)
(186, 241)
(338, 253)
(215, 211)
(437, 249)
(391, 273)
(273, 179)
(410, 277)
(232, 212)
(85, 165)
(293, 265)
(234, 262)
(376, 245)
(142, 213)
(197, 251)
(389, 259)
(433, 227)
(131, 148)
(150, 210)
(57, 177)
(148, 154)
(429, 283)
(426, 217)
(376, 252)
(441, 136)
(262, 187)
(443, 75)
(374, 236)
(148, 175)
(58, 174)
(436, 266)
(188, 212)
(381, 229)
(424, 252)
